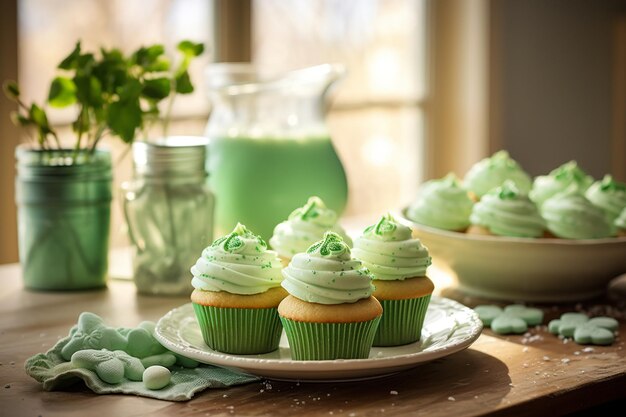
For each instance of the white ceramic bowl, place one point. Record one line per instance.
(519, 269)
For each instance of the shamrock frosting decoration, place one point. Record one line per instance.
(234, 243)
(584, 331)
(110, 366)
(316, 211)
(388, 229)
(513, 319)
(332, 245)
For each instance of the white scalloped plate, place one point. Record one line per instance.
(449, 327)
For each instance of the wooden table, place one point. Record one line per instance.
(536, 374)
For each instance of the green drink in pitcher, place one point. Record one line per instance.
(269, 146)
(259, 181)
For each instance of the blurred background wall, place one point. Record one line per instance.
(434, 85)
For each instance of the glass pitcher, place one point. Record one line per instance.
(269, 145)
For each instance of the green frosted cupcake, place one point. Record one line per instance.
(305, 226)
(442, 203)
(330, 312)
(490, 173)
(236, 294)
(398, 264)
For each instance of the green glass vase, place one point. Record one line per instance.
(64, 205)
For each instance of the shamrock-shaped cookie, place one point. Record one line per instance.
(584, 331)
(513, 319)
(110, 366)
(91, 333)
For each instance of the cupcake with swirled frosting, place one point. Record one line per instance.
(609, 195)
(237, 289)
(442, 203)
(305, 226)
(570, 215)
(505, 211)
(330, 312)
(398, 263)
(491, 172)
(567, 176)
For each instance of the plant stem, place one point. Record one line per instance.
(168, 111)
(97, 136)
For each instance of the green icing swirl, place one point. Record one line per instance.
(238, 263)
(327, 274)
(609, 195)
(570, 215)
(492, 172)
(560, 179)
(442, 203)
(305, 226)
(388, 251)
(505, 211)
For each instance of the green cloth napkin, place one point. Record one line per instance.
(56, 370)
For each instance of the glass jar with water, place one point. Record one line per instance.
(169, 212)
(269, 145)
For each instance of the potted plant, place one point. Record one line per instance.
(63, 193)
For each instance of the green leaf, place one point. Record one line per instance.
(124, 117)
(145, 57)
(183, 83)
(62, 92)
(38, 116)
(112, 56)
(156, 88)
(88, 90)
(161, 64)
(71, 60)
(190, 49)
(11, 90)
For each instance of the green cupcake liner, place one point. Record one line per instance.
(402, 321)
(327, 341)
(240, 331)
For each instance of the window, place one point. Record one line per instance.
(377, 117)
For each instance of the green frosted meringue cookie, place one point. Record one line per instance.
(570, 215)
(389, 252)
(568, 175)
(328, 274)
(238, 263)
(609, 195)
(490, 173)
(507, 212)
(620, 222)
(442, 203)
(305, 226)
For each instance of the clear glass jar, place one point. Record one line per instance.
(168, 208)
